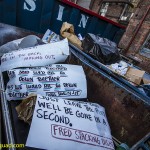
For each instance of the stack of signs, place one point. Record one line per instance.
(60, 124)
(57, 80)
(41, 55)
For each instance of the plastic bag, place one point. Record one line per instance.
(101, 49)
(28, 41)
(8, 47)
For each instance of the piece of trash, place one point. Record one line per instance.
(101, 49)
(134, 75)
(80, 37)
(119, 68)
(57, 80)
(67, 31)
(50, 37)
(30, 41)
(26, 108)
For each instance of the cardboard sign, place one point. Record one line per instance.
(41, 55)
(60, 124)
(57, 80)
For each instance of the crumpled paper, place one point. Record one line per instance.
(50, 37)
(119, 68)
(67, 31)
(26, 108)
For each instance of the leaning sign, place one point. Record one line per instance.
(57, 80)
(36, 56)
(69, 125)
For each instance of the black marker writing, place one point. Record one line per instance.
(52, 116)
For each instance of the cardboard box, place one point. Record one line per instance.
(134, 75)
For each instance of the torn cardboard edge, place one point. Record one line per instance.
(67, 31)
(26, 108)
(135, 75)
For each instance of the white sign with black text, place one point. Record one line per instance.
(60, 124)
(41, 55)
(57, 80)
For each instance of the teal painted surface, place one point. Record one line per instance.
(29, 16)
(8, 11)
(39, 15)
(1, 11)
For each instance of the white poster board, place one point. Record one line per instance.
(60, 124)
(57, 80)
(41, 55)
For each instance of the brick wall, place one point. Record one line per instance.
(114, 11)
(131, 29)
(141, 36)
(96, 5)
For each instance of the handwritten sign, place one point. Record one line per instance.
(69, 125)
(41, 55)
(57, 80)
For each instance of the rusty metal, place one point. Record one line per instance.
(128, 116)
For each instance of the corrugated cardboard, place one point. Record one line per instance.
(134, 75)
